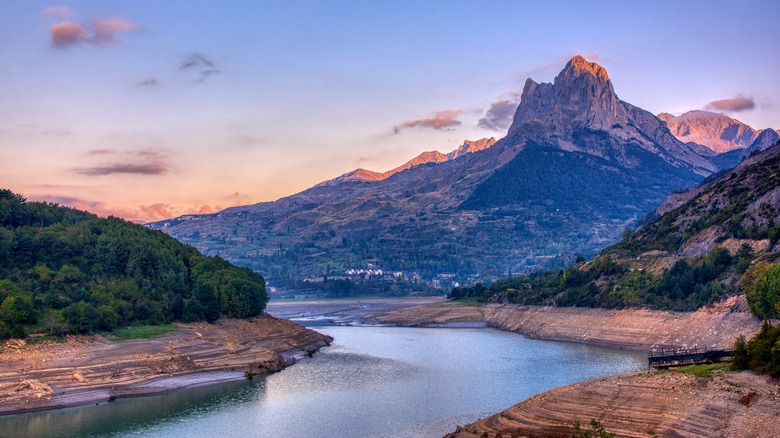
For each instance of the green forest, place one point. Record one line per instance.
(67, 271)
(603, 282)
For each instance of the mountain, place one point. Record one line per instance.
(576, 167)
(716, 131)
(68, 271)
(467, 147)
(729, 159)
(693, 253)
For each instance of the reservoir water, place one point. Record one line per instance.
(372, 382)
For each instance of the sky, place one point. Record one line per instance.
(150, 109)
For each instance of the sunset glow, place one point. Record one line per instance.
(148, 110)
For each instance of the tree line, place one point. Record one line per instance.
(67, 271)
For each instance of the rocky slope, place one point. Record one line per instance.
(577, 166)
(666, 404)
(85, 370)
(742, 203)
(716, 131)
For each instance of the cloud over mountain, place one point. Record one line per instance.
(732, 105)
(499, 116)
(441, 120)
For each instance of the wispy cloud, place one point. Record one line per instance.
(100, 152)
(148, 82)
(58, 10)
(200, 64)
(441, 120)
(148, 161)
(499, 116)
(106, 30)
(103, 32)
(732, 105)
(129, 168)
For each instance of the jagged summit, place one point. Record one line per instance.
(581, 112)
(580, 64)
(582, 91)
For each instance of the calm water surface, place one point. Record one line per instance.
(372, 382)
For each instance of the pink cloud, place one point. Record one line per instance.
(105, 32)
(67, 34)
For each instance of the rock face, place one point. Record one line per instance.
(580, 110)
(716, 131)
(578, 165)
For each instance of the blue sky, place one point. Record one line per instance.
(147, 109)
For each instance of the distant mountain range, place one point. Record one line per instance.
(716, 131)
(729, 139)
(577, 166)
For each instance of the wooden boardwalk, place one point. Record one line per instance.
(678, 357)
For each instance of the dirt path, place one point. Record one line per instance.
(86, 370)
(664, 404)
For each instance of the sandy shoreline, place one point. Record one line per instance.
(89, 370)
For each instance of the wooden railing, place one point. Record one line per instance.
(676, 357)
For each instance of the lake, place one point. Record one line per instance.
(372, 382)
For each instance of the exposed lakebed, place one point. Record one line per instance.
(372, 382)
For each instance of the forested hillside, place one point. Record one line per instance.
(68, 271)
(721, 238)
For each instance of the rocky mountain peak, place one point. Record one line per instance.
(579, 65)
(582, 92)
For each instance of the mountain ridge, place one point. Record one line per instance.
(441, 216)
(467, 147)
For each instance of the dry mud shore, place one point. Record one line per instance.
(635, 329)
(656, 403)
(85, 370)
